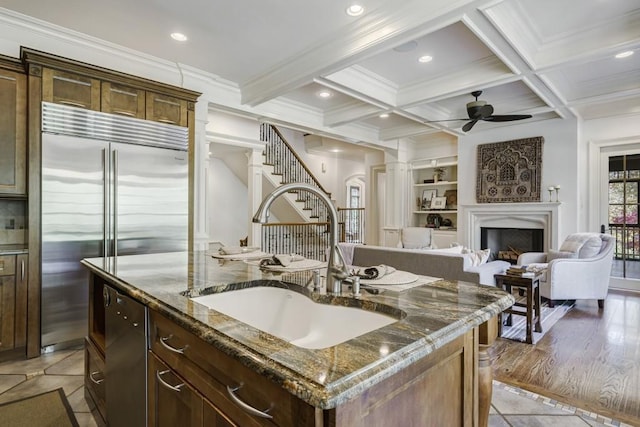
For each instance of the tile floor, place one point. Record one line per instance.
(510, 406)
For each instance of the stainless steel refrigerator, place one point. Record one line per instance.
(111, 186)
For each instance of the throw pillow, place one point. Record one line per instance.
(477, 257)
(416, 238)
(586, 245)
(560, 254)
(451, 250)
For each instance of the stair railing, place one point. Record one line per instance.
(286, 163)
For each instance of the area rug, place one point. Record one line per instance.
(518, 330)
(50, 409)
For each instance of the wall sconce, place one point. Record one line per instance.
(324, 167)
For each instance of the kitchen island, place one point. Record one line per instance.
(421, 370)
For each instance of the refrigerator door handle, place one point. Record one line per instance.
(105, 203)
(115, 203)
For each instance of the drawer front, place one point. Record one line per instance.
(94, 377)
(216, 375)
(7, 265)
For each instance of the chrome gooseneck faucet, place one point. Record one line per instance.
(336, 268)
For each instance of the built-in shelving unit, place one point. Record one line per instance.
(435, 177)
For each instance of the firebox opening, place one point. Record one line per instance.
(507, 243)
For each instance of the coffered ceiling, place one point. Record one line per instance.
(553, 59)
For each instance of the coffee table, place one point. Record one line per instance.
(531, 309)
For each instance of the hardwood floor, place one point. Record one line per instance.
(590, 358)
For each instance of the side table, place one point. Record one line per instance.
(531, 287)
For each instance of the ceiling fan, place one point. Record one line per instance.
(480, 110)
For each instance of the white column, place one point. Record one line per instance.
(201, 154)
(395, 192)
(254, 186)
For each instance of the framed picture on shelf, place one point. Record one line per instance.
(439, 203)
(427, 196)
(452, 198)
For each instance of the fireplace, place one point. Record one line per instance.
(507, 243)
(543, 216)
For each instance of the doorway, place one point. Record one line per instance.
(619, 205)
(622, 214)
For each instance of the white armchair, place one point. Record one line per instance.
(415, 238)
(579, 270)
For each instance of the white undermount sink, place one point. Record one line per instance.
(295, 318)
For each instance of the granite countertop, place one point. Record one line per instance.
(434, 314)
(15, 249)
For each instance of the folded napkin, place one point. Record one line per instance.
(375, 272)
(284, 260)
(235, 250)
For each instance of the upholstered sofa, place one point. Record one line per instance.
(580, 269)
(443, 263)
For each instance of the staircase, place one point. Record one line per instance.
(285, 168)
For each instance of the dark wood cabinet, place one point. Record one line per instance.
(123, 100)
(13, 128)
(13, 304)
(172, 401)
(71, 89)
(166, 109)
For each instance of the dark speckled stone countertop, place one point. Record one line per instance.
(432, 315)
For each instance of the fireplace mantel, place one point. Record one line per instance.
(545, 215)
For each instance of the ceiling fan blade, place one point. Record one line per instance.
(467, 127)
(507, 117)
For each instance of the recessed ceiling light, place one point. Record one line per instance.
(624, 54)
(336, 150)
(384, 115)
(324, 94)
(179, 37)
(425, 58)
(355, 10)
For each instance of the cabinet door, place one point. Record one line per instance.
(13, 132)
(123, 100)
(71, 89)
(21, 301)
(172, 402)
(7, 302)
(214, 418)
(166, 109)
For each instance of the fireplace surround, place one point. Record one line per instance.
(536, 215)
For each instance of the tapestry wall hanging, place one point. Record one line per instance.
(509, 171)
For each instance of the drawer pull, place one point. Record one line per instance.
(93, 380)
(170, 348)
(159, 375)
(247, 408)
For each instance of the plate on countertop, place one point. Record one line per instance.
(398, 277)
(302, 265)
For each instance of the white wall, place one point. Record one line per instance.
(559, 163)
(618, 132)
(227, 204)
